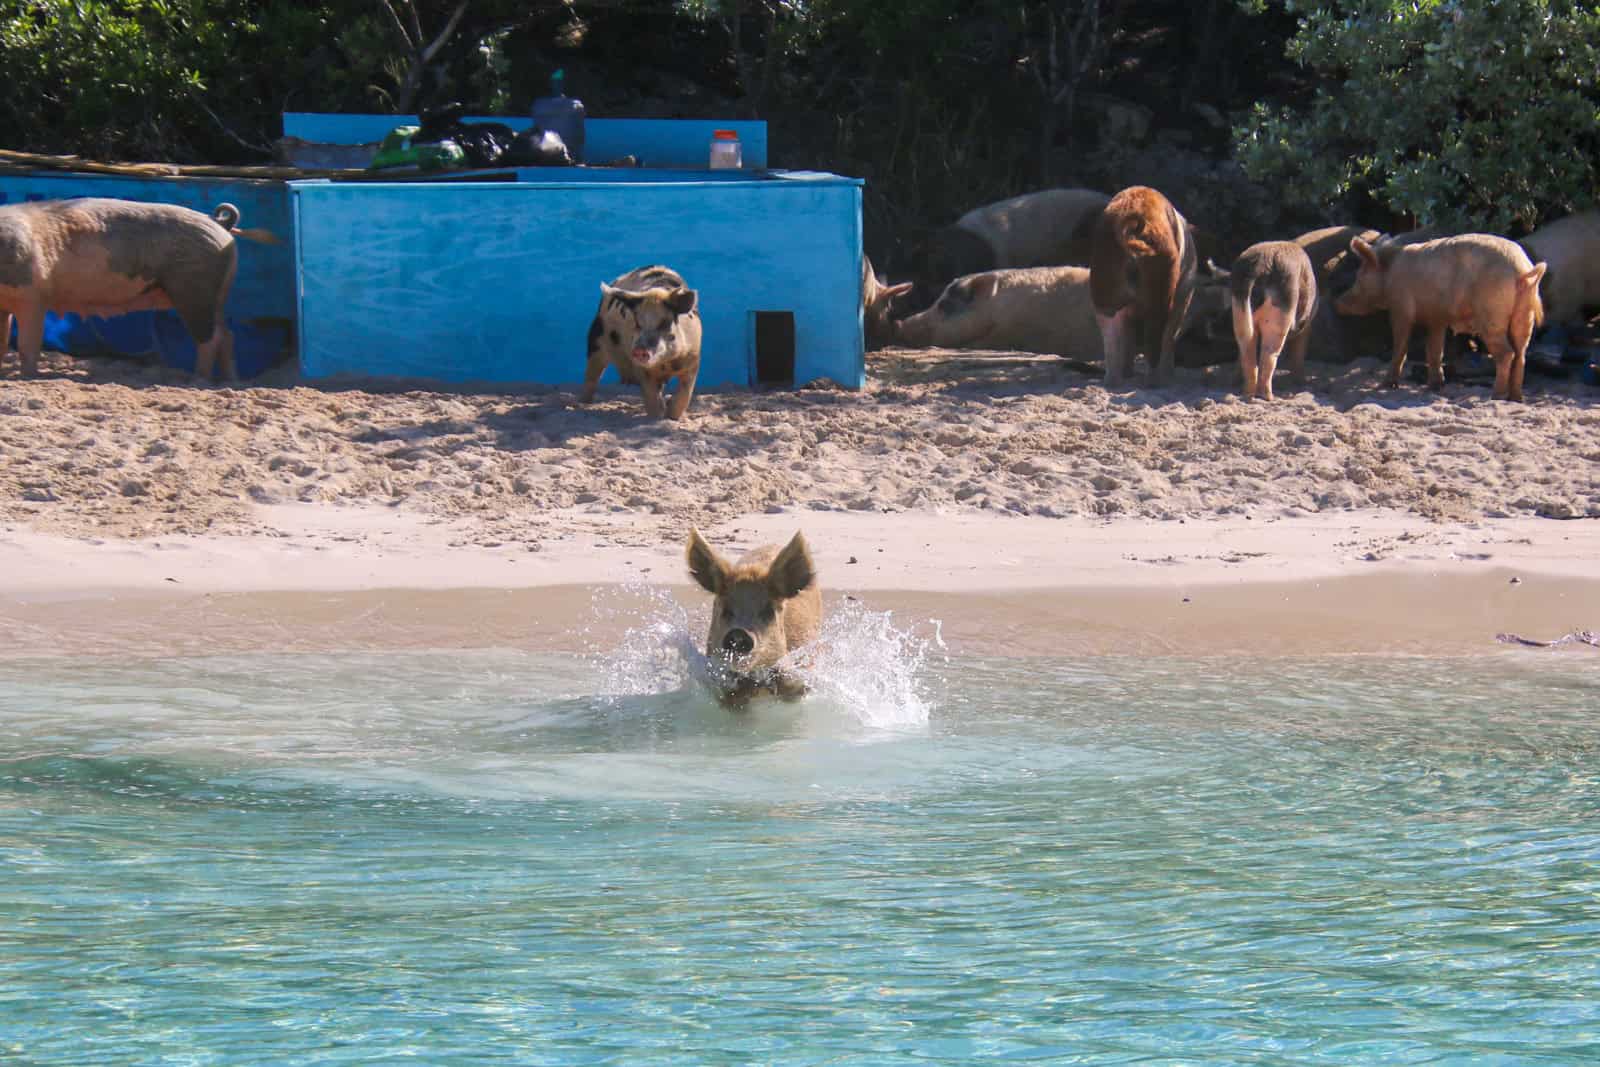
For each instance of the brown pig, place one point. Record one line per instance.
(1274, 295)
(1472, 284)
(1141, 278)
(104, 257)
(1571, 247)
(648, 327)
(877, 306)
(1040, 309)
(767, 605)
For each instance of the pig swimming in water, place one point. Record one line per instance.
(1473, 284)
(97, 256)
(767, 605)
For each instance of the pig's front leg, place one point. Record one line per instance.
(1400, 325)
(685, 393)
(30, 338)
(651, 388)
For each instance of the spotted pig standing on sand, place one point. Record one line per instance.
(1141, 278)
(767, 605)
(105, 257)
(1472, 284)
(648, 327)
(1273, 289)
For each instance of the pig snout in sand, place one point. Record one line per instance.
(1472, 284)
(877, 306)
(105, 257)
(1273, 292)
(1141, 278)
(648, 328)
(767, 604)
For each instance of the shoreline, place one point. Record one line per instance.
(361, 579)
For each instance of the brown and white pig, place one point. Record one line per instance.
(1472, 284)
(1050, 228)
(767, 605)
(1273, 290)
(648, 327)
(1040, 309)
(1571, 249)
(94, 256)
(877, 306)
(1142, 279)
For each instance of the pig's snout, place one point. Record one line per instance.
(641, 354)
(738, 643)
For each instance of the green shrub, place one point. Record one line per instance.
(1482, 113)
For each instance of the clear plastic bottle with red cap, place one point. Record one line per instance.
(726, 153)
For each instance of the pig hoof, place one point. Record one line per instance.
(1391, 382)
(1436, 386)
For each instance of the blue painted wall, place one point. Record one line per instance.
(264, 288)
(654, 142)
(498, 281)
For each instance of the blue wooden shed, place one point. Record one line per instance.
(497, 280)
(494, 276)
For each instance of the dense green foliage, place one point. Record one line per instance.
(1446, 111)
(1454, 112)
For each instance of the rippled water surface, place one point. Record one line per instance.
(501, 857)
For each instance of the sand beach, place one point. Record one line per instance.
(1009, 496)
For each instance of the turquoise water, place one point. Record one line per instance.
(501, 857)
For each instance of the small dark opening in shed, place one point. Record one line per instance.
(775, 348)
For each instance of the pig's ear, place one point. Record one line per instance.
(605, 289)
(984, 286)
(792, 570)
(705, 566)
(891, 291)
(1365, 251)
(1530, 280)
(682, 301)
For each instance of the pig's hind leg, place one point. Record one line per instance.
(5, 337)
(597, 361)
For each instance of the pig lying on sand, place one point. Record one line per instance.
(1142, 278)
(1040, 309)
(1274, 297)
(648, 327)
(1472, 284)
(767, 605)
(109, 257)
(1571, 247)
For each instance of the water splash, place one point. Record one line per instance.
(863, 665)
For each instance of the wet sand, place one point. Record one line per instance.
(1015, 500)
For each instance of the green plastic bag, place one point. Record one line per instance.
(399, 150)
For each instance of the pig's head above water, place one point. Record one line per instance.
(656, 313)
(767, 604)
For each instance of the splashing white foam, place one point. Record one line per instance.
(862, 664)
